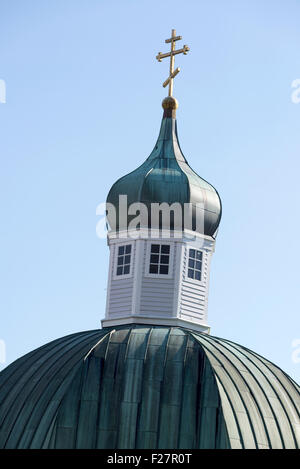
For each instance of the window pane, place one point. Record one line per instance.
(127, 259)
(164, 259)
(120, 260)
(164, 269)
(199, 255)
(154, 258)
(198, 265)
(190, 273)
(192, 253)
(191, 263)
(197, 275)
(124, 259)
(159, 259)
(153, 269)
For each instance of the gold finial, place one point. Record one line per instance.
(172, 54)
(170, 103)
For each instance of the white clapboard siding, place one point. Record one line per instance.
(193, 295)
(120, 290)
(171, 299)
(157, 293)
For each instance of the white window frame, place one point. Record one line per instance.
(130, 274)
(193, 280)
(171, 259)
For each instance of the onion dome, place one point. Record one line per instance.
(165, 176)
(147, 387)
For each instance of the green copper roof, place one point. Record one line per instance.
(146, 387)
(166, 177)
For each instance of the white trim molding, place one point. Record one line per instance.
(193, 280)
(156, 321)
(116, 257)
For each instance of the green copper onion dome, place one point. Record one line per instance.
(146, 387)
(166, 177)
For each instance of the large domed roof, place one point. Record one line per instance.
(146, 387)
(166, 177)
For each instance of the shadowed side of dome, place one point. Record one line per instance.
(146, 387)
(261, 404)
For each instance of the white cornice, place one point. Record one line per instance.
(155, 321)
(176, 236)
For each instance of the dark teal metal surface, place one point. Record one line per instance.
(166, 177)
(146, 387)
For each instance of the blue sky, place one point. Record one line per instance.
(83, 107)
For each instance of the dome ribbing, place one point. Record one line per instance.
(126, 387)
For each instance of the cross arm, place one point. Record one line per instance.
(175, 38)
(173, 75)
(161, 56)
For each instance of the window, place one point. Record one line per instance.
(123, 260)
(159, 259)
(195, 264)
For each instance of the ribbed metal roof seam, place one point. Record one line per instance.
(235, 386)
(86, 339)
(64, 383)
(256, 400)
(268, 365)
(11, 370)
(19, 389)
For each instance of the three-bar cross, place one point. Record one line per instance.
(172, 54)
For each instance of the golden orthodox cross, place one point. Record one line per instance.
(172, 54)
